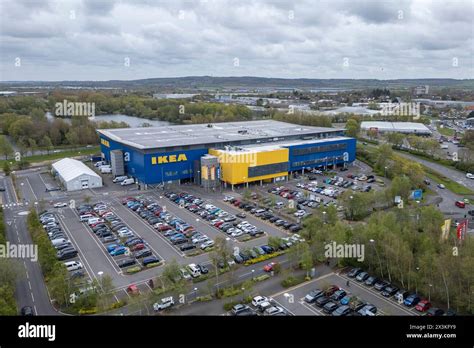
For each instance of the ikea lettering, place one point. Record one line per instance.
(169, 159)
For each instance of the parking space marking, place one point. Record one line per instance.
(376, 294)
(153, 230)
(311, 309)
(293, 314)
(135, 232)
(82, 254)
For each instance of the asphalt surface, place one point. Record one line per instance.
(30, 289)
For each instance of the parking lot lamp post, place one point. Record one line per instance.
(243, 294)
(378, 256)
(253, 272)
(100, 273)
(352, 209)
(416, 279)
(385, 170)
(195, 293)
(429, 292)
(324, 216)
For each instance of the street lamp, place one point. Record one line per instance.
(243, 294)
(417, 269)
(429, 291)
(385, 170)
(324, 216)
(195, 292)
(253, 272)
(352, 209)
(378, 256)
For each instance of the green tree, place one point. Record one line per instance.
(352, 128)
(6, 168)
(5, 148)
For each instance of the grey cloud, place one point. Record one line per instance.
(178, 38)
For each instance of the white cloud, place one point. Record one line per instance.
(89, 40)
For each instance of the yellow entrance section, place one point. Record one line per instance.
(235, 164)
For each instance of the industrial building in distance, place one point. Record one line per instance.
(232, 153)
(396, 127)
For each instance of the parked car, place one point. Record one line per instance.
(342, 311)
(362, 276)
(412, 300)
(164, 303)
(330, 307)
(423, 305)
(354, 272)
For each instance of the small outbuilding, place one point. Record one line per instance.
(75, 175)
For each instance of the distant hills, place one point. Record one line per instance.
(245, 82)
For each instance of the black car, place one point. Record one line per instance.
(27, 311)
(275, 218)
(371, 281)
(287, 225)
(338, 295)
(66, 254)
(330, 307)
(187, 246)
(389, 291)
(354, 272)
(380, 285)
(203, 269)
(149, 260)
(434, 312)
(321, 301)
(126, 263)
(142, 253)
(313, 295)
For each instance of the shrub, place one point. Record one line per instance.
(292, 281)
(117, 305)
(154, 264)
(261, 278)
(85, 311)
(133, 270)
(262, 258)
(204, 298)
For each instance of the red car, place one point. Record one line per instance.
(331, 290)
(460, 204)
(269, 267)
(423, 305)
(126, 200)
(236, 203)
(138, 246)
(133, 290)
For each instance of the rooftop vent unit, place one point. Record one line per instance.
(243, 131)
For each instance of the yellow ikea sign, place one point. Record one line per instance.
(104, 142)
(169, 159)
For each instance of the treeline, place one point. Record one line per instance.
(405, 247)
(61, 288)
(171, 110)
(303, 119)
(8, 277)
(35, 132)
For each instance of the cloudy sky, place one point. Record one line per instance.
(103, 40)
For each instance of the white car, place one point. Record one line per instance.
(258, 300)
(60, 205)
(207, 244)
(470, 176)
(237, 233)
(166, 302)
(200, 239)
(124, 234)
(185, 274)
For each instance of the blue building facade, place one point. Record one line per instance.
(151, 167)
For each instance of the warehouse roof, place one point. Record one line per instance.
(278, 145)
(402, 127)
(70, 169)
(195, 134)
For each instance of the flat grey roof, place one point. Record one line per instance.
(196, 134)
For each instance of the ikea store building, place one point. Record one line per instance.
(231, 153)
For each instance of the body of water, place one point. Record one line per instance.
(132, 121)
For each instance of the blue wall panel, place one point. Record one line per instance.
(324, 157)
